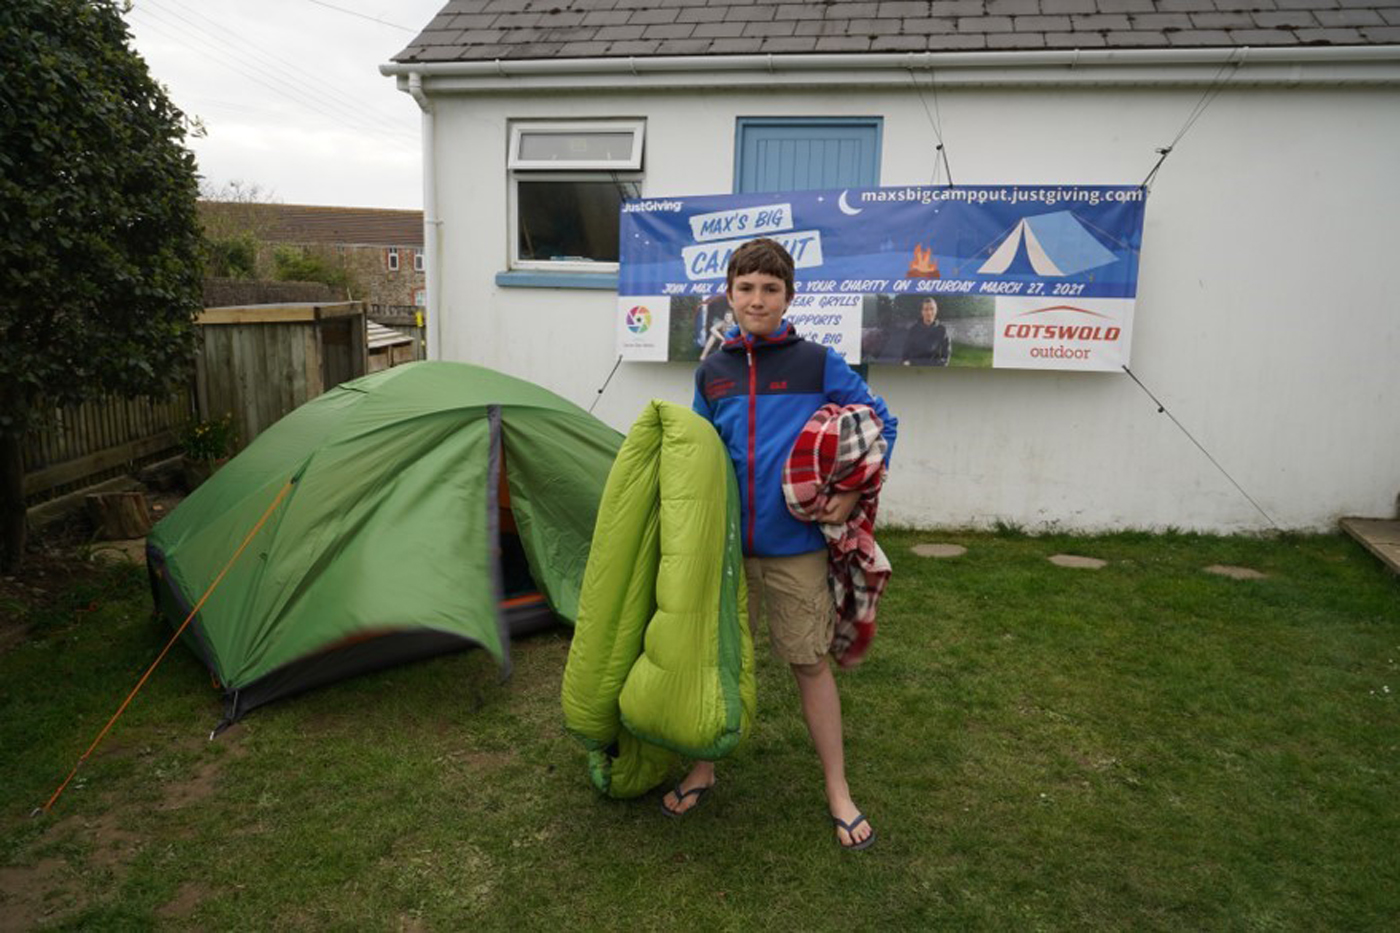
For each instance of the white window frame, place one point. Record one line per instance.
(617, 171)
(391, 258)
(631, 163)
(420, 263)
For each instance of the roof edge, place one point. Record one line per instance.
(1370, 64)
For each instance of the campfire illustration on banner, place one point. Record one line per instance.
(923, 265)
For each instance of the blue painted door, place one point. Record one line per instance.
(801, 154)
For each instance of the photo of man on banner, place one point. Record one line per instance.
(927, 343)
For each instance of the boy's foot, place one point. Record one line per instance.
(853, 830)
(682, 799)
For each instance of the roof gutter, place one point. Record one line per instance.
(1312, 65)
(431, 224)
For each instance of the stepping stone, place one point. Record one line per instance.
(1080, 563)
(939, 550)
(1380, 536)
(1235, 573)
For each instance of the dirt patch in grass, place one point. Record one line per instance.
(52, 888)
(63, 559)
(204, 782)
(202, 785)
(186, 900)
(12, 632)
(112, 846)
(40, 592)
(38, 893)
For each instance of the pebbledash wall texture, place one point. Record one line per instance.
(1265, 320)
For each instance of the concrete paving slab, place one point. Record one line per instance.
(1235, 573)
(1077, 562)
(1380, 536)
(939, 550)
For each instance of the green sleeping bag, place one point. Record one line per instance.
(661, 662)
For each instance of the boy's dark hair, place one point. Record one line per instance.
(762, 255)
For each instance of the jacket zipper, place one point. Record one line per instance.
(753, 431)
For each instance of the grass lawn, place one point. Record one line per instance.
(1141, 747)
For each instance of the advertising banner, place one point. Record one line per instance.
(1009, 277)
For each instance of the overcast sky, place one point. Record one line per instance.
(291, 95)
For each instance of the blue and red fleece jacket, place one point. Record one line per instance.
(759, 393)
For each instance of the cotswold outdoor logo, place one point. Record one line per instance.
(1091, 334)
(643, 327)
(638, 319)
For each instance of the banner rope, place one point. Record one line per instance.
(1227, 71)
(166, 650)
(1162, 410)
(606, 382)
(935, 125)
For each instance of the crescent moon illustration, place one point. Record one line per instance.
(845, 207)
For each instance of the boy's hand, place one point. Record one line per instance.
(839, 506)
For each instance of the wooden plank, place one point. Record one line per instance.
(1379, 536)
(264, 383)
(256, 343)
(201, 379)
(259, 314)
(237, 393)
(219, 390)
(339, 309)
(395, 320)
(360, 343)
(74, 470)
(311, 364)
(296, 368)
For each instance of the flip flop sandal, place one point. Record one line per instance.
(850, 833)
(696, 792)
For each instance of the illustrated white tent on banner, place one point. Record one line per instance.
(1057, 245)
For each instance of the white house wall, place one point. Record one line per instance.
(1267, 321)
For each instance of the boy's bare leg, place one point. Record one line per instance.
(821, 706)
(702, 774)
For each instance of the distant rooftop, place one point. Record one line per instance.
(486, 30)
(339, 226)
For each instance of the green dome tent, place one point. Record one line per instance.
(432, 507)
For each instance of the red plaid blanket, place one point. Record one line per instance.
(840, 449)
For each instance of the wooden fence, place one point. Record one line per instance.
(89, 443)
(256, 363)
(259, 362)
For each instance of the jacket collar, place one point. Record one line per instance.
(736, 339)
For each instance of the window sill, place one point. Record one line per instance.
(599, 280)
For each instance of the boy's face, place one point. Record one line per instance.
(759, 300)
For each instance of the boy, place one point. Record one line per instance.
(758, 392)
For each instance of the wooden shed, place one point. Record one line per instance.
(388, 347)
(261, 361)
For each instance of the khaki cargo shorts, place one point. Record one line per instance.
(793, 593)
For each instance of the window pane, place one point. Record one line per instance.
(576, 147)
(570, 221)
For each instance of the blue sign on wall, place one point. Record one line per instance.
(1040, 277)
